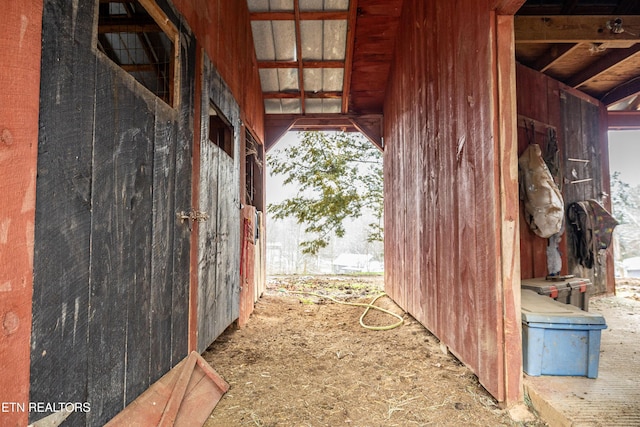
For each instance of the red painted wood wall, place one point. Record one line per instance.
(222, 28)
(545, 102)
(447, 160)
(538, 100)
(20, 47)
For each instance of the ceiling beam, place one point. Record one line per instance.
(277, 125)
(297, 94)
(634, 105)
(623, 120)
(573, 29)
(127, 26)
(348, 61)
(305, 64)
(371, 128)
(297, 14)
(613, 58)
(621, 92)
(333, 120)
(275, 128)
(554, 54)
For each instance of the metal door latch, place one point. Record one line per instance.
(192, 216)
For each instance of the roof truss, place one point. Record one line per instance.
(597, 54)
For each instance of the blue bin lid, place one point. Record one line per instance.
(541, 309)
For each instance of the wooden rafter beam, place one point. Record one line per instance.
(351, 41)
(297, 14)
(623, 120)
(553, 55)
(574, 29)
(371, 128)
(297, 94)
(127, 26)
(634, 105)
(612, 59)
(305, 64)
(621, 92)
(319, 119)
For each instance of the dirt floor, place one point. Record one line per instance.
(306, 361)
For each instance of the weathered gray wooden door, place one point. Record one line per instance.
(582, 181)
(219, 235)
(111, 261)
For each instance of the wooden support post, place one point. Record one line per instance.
(507, 122)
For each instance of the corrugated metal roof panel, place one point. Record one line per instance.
(284, 34)
(322, 105)
(311, 40)
(335, 39)
(323, 79)
(279, 79)
(263, 40)
(282, 106)
(323, 40)
(315, 5)
(270, 5)
(274, 40)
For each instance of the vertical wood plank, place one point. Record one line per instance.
(508, 155)
(20, 52)
(161, 257)
(606, 189)
(182, 197)
(59, 347)
(208, 236)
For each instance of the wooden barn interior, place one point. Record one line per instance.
(132, 146)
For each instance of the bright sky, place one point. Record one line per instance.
(276, 190)
(624, 155)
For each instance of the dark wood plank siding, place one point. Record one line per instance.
(63, 210)
(582, 136)
(113, 168)
(120, 240)
(219, 237)
(442, 204)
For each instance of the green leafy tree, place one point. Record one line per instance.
(339, 176)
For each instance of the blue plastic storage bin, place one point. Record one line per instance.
(559, 339)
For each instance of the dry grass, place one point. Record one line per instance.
(305, 362)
